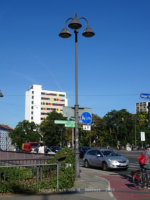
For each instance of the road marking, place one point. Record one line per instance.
(110, 193)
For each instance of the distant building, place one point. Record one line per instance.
(39, 102)
(142, 106)
(5, 140)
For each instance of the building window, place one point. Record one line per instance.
(31, 107)
(32, 102)
(32, 97)
(32, 92)
(32, 112)
(32, 118)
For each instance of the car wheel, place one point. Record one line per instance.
(104, 166)
(86, 164)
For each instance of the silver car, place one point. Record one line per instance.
(105, 159)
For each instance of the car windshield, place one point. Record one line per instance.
(37, 149)
(49, 150)
(86, 148)
(57, 148)
(35, 145)
(110, 153)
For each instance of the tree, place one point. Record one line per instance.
(119, 127)
(25, 131)
(51, 132)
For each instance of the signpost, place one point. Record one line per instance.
(94, 142)
(142, 138)
(70, 125)
(87, 128)
(144, 95)
(64, 122)
(70, 111)
(86, 118)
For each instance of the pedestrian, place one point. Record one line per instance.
(132, 146)
(41, 148)
(107, 146)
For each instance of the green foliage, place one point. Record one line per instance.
(116, 126)
(14, 173)
(66, 175)
(51, 131)
(25, 131)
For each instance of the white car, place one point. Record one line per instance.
(49, 151)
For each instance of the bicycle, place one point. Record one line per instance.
(140, 178)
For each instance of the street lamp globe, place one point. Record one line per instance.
(65, 33)
(1, 95)
(75, 24)
(88, 32)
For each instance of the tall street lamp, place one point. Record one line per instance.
(75, 24)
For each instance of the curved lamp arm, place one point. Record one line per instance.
(85, 19)
(67, 20)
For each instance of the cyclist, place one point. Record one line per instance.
(147, 160)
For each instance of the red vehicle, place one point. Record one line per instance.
(29, 146)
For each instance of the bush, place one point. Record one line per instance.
(66, 175)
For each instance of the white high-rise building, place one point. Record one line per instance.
(39, 102)
(142, 106)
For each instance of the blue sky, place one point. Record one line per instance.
(113, 66)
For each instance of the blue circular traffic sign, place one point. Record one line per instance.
(86, 118)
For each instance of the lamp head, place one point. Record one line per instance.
(65, 33)
(75, 24)
(88, 32)
(1, 95)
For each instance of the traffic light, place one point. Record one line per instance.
(148, 124)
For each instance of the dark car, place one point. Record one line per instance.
(55, 148)
(36, 150)
(83, 150)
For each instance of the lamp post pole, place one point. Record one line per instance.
(135, 131)
(75, 24)
(76, 110)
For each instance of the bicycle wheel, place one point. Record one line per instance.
(139, 180)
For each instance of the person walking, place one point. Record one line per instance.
(107, 146)
(41, 148)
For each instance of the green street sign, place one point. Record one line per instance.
(70, 125)
(64, 122)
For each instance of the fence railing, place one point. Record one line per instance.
(29, 174)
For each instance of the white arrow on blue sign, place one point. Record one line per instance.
(144, 95)
(86, 118)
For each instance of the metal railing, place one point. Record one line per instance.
(29, 174)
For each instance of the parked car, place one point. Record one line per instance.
(29, 146)
(105, 159)
(49, 151)
(83, 150)
(55, 148)
(36, 150)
